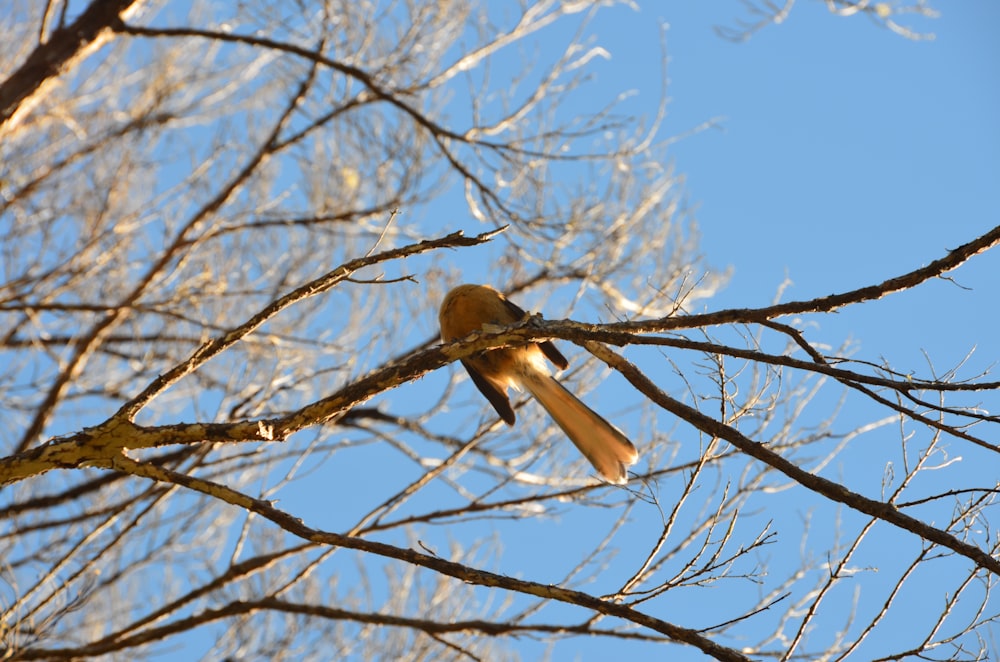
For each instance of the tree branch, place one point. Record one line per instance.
(459, 571)
(65, 47)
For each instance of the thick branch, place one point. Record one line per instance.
(119, 432)
(26, 87)
(247, 607)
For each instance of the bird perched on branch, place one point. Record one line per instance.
(469, 308)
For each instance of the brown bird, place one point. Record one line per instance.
(469, 308)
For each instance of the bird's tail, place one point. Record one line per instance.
(608, 449)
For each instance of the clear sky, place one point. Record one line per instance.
(839, 155)
(843, 152)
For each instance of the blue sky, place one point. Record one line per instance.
(839, 142)
(836, 155)
(839, 155)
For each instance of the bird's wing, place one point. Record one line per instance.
(494, 391)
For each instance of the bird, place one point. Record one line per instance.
(476, 308)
